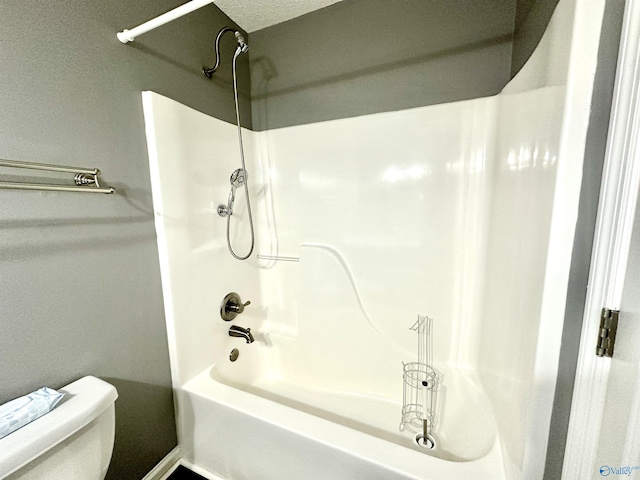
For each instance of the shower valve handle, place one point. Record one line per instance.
(232, 306)
(238, 308)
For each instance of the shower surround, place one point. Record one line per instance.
(463, 211)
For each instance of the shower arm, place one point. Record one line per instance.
(242, 45)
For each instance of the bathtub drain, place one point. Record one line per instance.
(425, 442)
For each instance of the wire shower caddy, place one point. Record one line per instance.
(420, 387)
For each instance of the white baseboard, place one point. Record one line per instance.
(168, 463)
(199, 470)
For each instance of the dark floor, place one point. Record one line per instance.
(183, 473)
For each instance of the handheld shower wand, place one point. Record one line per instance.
(239, 176)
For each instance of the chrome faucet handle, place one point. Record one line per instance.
(232, 306)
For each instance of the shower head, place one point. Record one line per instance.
(238, 178)
(242, 44)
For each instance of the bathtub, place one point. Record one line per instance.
(270, 429)
(282, 390)
(465, 430)
(471, 223)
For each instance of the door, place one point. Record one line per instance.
(618, 445)
(604, 430)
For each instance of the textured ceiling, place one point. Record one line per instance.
(254, 15)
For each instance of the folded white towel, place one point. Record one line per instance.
(17, 413)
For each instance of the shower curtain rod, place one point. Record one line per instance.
(127, 36)
(86, 179)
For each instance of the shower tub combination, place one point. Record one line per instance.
(464, 212)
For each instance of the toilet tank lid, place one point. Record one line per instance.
(84, 400)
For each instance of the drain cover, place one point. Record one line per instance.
(425, 442)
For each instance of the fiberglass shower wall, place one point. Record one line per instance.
(429, 211)
(444, 210)
(461, 211)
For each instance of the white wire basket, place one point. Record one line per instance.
(420, 387)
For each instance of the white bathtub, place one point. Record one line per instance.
(464, 212)
(241, 435)
(330, 398)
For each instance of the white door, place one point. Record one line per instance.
(604, 429)
(618, 445)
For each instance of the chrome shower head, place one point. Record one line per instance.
(238, 178)
(242, 43)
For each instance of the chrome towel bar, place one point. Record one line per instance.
(86, 179)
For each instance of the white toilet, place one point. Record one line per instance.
(72, 442)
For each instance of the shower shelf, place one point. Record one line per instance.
(421, 384)
(278, 258)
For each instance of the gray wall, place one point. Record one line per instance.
(365, 56)
(532, 18)
(79, 277)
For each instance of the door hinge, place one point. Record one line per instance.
(607, 332)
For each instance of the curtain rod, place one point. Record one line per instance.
(127, 36)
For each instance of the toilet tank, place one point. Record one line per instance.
(72, 442)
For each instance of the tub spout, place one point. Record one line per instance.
(236, 331)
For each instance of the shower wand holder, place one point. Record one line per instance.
(238, 179)
(223, 210)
